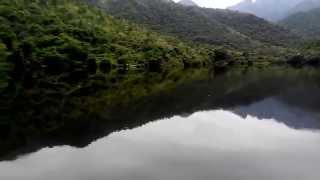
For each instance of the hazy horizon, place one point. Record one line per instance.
(215, 3)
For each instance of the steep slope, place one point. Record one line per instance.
(199, 24)
(305, 23)
(251, 26)
(172, 19)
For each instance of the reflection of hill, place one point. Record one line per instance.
(140, 99)
(297, 106)
(274, 108)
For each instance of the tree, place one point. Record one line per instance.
(4, 66)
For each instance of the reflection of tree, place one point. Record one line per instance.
(135, 99)
(50, 114)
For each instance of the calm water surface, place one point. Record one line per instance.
(261, 124)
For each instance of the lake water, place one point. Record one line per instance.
(241, 125)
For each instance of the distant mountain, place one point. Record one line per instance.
(304, 6)
(272, 10)
(275, 10)
(212, 26)
(187, 3)
(305, 23)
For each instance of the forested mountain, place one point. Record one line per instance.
(65, 41)
(218, 27)
(275, 10)
(305, 23)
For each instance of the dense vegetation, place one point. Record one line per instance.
(4, 67)
(218, 27)
(305, 23)
(314, 46)
(66, 41)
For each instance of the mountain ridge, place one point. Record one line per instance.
(204, 25)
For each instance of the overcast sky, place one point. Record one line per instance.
(216, 3)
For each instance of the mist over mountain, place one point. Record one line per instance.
(305, 6)
(305, 23)
(275, 10)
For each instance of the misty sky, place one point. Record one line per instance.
(216, 3)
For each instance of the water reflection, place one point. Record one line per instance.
(275, 107)
(206, 145)
(288, 95)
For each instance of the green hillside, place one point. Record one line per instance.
(218, 27)
(66, 41)
(253, 27)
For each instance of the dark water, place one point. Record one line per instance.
(241, 125)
